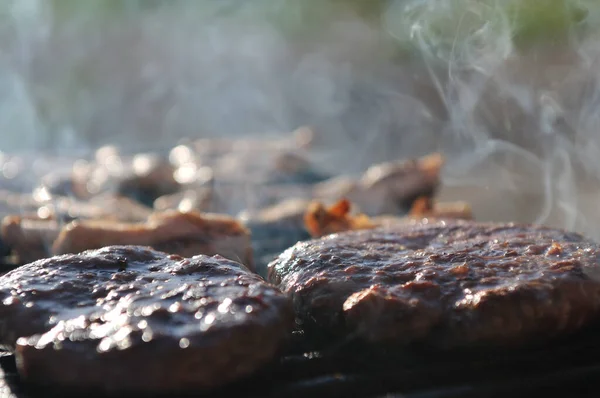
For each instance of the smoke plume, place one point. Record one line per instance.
(517, 121)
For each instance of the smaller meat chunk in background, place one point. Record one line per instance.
(183, 233)
(387, 188)
(30, 234)
(320, 220)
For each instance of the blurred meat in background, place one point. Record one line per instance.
(113, 110)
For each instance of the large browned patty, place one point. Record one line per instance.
(446, 284)
(131, 319)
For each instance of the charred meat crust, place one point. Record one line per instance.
(131, 319)
(446, 284)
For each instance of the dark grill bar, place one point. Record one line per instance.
(570, 367)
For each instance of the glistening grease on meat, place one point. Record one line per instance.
(131, 320)
(446, 284)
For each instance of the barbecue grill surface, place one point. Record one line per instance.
(570, 367)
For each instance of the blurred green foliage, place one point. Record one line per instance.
(531, 21)
(554, 20)
(453, 31)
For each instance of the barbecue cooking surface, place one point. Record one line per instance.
(306, 370)
(570, 368)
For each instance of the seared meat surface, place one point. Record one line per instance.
(387, 188)
(183, 233)
(134, 320)
(30, 236)
(391, 267)
(446, 284)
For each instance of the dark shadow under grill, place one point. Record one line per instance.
(570, 367)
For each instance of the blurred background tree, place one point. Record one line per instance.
(72, 98)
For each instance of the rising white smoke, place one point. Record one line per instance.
(521, 122)
(519, 125)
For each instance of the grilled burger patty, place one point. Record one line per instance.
(131, 319)
(446, 284)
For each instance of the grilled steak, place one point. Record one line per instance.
(401, 183)
(131, 319)
(446, 284)
(186, 234)
(387, 188)
(30, 236)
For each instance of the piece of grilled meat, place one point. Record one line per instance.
(321, 220)
(445, 284)
(182, 233)
(131, 320)
(387, 188)
(30, 235)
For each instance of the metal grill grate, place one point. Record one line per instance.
(570, 367)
